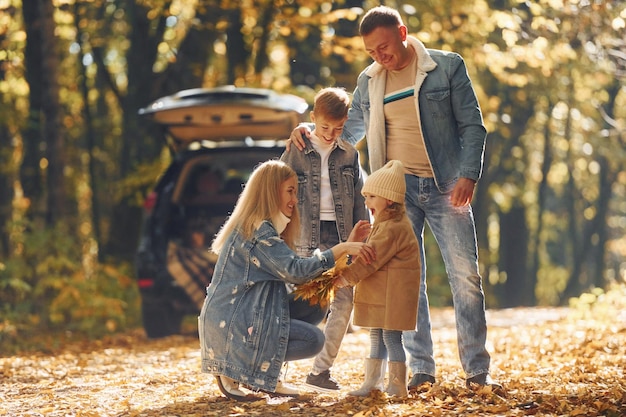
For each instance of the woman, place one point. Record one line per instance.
(245, 328)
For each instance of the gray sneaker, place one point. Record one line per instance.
(322, 382)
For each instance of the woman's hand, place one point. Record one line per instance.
(360, 249)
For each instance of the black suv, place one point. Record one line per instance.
(219, 135)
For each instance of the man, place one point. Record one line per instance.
(418, 105)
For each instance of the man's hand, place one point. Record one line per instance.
(296, 137)
(463, 192)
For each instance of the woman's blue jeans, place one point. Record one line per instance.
(455, 233)
(305, 338)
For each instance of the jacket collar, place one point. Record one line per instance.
(424, 60)
(388, 214)
(308, 146)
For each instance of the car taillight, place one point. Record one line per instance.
(144, 283)
(150, 201)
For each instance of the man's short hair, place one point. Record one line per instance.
(379, 16)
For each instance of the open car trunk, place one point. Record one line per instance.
(218, 135)
(227, 114)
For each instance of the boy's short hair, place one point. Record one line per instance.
(332, 103)
(379, 16)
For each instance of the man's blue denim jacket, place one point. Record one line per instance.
(448, 110)
(244, 322)
(346, 182)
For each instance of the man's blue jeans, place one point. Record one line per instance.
(455, 233)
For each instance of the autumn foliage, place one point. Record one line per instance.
(321, 290)
(552, 362)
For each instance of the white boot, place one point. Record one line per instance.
(286, 390)
(374, 377)
(397, 380)
(283, 388)
(230, 388)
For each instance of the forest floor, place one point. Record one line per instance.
(551, 362)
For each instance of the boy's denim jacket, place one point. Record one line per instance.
(244, 322)
(448, 111)
(346, 182)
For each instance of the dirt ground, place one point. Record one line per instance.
(550, 364)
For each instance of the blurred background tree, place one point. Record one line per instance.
(76, 161)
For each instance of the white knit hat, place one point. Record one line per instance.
(387, 182)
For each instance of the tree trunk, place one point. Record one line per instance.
(605, 183)
(514, 256)
(189, 69)
(30, 173)
(143, 86)
(342, 71)
(90, 131)
(7, 167)
(305, 60)
(589, 269)
(480, 207)
(541, 204)
(236, 52)
(266, 20)
(51, 110)
(44, 131)
(571, 201)
(608, 175)
(6, 188)
(125, 215)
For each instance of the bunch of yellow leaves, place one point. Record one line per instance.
(321, 290)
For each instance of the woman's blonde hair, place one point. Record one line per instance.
(260, 200)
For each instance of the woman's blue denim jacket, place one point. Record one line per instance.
(244, 322)
(448, 110)
(346, 182)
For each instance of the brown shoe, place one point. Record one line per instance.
(418, 381)
(485, 380)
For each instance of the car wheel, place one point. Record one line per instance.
(160, 318)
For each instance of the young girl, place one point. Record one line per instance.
(387, 289)
(245, 328)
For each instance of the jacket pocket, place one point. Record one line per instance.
(348, 181)
(439, 103)
(253, 331)
(302, 182)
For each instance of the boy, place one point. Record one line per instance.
(330, 204)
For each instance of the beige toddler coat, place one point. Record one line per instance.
(387, 290)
